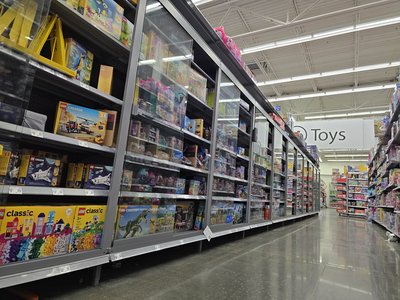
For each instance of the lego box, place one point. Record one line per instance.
(80, 60)
(88, 227)
(80, 123)
(136, 220)
(38, 171)
(98, 177)
(105, 14)
(29, 232)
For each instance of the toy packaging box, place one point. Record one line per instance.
(184, 216)
(98, 177)
(87, 229)
(39, 171)
(80, 60)
(197, 85)
(198, 222)
(110, 127)
(126, 32)
(135, 220)
(165, 217)
(10, 162)
(75, 175)
(80, 123)
(105, 79)
(239, 213)
(221, 212)
(105, 14)
(29, 232)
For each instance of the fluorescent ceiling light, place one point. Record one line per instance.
(147, 62)
(229, 100)
(367, 113)
(334, 92)
(178, 58)
(331, 73)
(321, 35)
(346, 155)
(226, 84)
(347, 160)
(201, 2)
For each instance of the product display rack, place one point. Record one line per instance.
(383, 189)
(357, 194)
(230, 113)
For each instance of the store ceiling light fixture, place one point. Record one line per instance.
(331, 73)
(334, 92)
(366, 113)
(156, 6)
(322, 35)
(346, 155)
(347, 160)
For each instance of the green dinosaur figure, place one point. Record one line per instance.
(132, 226)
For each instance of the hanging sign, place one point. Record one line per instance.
(338, 134)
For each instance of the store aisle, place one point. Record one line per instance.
(329, 257)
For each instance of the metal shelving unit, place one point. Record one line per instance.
(214, 66)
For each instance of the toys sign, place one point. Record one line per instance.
(338, 134)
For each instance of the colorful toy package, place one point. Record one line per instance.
(10, 162)
(165, 217)
(197, 85)
(80, 122)
(88, 227)
(80, 60)
(136, 220)
(98, 177)
(29, 232)
(38, 171)
(184, 217)
(106, 14)
(126, 32)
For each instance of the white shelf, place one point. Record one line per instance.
(195, 137)
(262, 185)
(161, 195)
(355, 206)
(242, 157)
(387, 228)
(50, 191)
(230, 178)
(233, 199)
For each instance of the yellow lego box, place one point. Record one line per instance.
(29, 232)
(88, 228)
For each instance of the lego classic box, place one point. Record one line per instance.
(29, 232)
(88, 227)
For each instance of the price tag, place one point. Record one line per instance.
(58, 192)
(37, 133)
(89, 192)
(83, 144)
(61, 270)
(157, 247)
(85, 86)
(117, 256)
(182, 242)
(208, 233)
(15, 190)
(60, 75)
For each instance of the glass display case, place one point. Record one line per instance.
(165, 176)
(311, 188)
(300, 181)
(230, 183)
(305, 187)
(279, 176)
(291, 180)
(262, 167)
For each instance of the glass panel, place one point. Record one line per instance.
(164, 182)
(279, 179)
(305, 187)
(262, 166)
(230, 184)
(291, 181)
(311, 189)
(300, 180)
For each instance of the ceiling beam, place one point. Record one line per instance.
(314, 18)
(301, 14)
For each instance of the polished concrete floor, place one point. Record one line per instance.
(325, 257)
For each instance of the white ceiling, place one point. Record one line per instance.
(285, 19)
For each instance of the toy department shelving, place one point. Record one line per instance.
(384, 163)
(357, 191)
(180, 161)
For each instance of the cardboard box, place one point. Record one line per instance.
(88, 228)
(135, 220)
(38, 171)
(10, 163)
(105, 79)
(105, 14)
(199, 127)
(98, 177)
(165, 217)
(126, 32)
(197, 85)
(80, 60)
(28, 232)
(81, 123)
(75, 175)
(110, 127)
(184, 216)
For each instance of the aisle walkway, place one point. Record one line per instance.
(328, 257)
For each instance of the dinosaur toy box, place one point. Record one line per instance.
(28, 232)
(136, 220)
(88, 227)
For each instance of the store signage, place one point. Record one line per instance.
(338, 134)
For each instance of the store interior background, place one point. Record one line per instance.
(260, 22)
